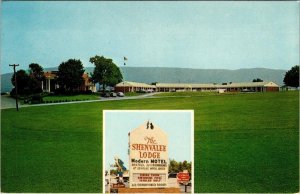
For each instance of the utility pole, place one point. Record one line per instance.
(125, 59)
(16, 85)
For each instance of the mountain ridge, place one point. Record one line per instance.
(181, 75)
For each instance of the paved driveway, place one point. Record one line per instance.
(7, 102)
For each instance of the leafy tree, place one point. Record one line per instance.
(36, 73)
(70, 74)
(257, 80)
(185, 165)
(173, 166)
(22, 82)
(189, 167)
(180, 167)
(176, 167)
(106, 72)
(34, 85)
(291, 77)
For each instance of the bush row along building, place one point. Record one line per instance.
(172, 87)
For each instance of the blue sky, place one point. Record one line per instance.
(210, 35)
(176, 124)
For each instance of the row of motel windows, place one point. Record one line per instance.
(173, 89)
(133, 89)
(166, 89)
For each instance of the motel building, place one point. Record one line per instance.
(266, 86)
(127, 86)
(50, 84)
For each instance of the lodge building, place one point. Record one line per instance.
(266, 86)
(50, 84)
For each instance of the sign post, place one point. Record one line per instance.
(184, 178)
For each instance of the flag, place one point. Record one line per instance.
(125, 59)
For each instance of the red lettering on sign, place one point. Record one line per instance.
(183, 177)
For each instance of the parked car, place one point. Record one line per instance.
(141, 91)
(120, 94)
(246, 90)
(150, 90)
(113, 94)
(105, 94)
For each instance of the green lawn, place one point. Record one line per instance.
(78, 97)
(186, 94)
(243, 143)
(134, 94)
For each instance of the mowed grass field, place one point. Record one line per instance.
(72, 97)
(243, 143)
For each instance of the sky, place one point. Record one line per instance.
(203, 35)
(177, 125)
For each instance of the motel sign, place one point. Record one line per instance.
(148, 157)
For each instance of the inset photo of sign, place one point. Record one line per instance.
(148, 151)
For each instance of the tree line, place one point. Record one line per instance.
(175, 166)
(69, 76)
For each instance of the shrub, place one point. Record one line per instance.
(36, 99)
(51, 94)
(88, 92)
(26, 101)
(59, 91)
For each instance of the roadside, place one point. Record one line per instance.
(8, 102)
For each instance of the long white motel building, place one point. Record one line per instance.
(266, 86)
